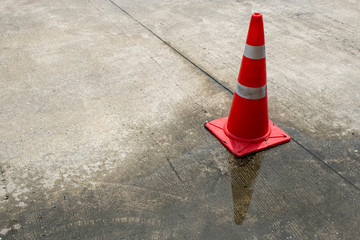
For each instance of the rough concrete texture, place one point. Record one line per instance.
(102, 110)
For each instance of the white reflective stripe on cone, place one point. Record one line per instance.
(250, 92)
(254, 52)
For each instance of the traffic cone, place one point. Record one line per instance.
(248, 129)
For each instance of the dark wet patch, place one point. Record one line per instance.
(204, 193)
(341, 156)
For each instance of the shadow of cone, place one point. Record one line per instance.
(248, 129)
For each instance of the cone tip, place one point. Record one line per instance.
(257, 14)
(256, 30)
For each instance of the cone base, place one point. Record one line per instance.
(241, 148)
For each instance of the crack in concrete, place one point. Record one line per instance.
(173, 168)
(228, 90)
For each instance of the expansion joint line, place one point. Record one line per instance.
(327, 165)
(174, 49)
(228, 90)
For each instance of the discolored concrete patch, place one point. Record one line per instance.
(102, 137)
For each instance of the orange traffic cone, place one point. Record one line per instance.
(248, 129)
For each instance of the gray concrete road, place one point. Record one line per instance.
(102, 107)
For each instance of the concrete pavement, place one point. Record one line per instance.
(102, 112)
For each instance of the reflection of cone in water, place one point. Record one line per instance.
(242, 198)
(247, 129)
(243, 176)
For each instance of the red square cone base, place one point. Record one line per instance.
(242, 148)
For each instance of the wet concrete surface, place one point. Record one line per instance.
(102, 114)
(281, 193)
